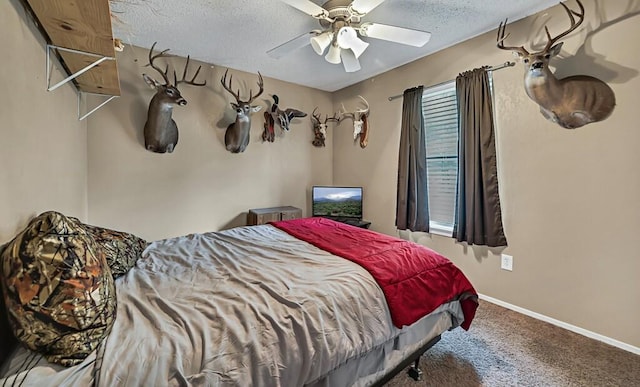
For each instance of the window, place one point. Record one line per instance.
(440, 112)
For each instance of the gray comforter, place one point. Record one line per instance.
(246, 306)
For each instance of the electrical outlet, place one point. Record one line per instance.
(506, 262)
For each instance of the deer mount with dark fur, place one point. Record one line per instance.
(320, 127)
(236, 138)
(570, 102)
(160, 130)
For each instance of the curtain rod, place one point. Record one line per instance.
(493, 68)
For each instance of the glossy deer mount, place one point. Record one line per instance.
(360, 122)
(570, 102)
(320, 127)
(236, 138)
(160, 130)
(277, 116)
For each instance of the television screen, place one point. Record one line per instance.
(337, 202)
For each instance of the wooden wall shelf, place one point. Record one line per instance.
(82, 25)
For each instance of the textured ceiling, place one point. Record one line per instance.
(238, 33)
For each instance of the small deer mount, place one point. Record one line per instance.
(281, 117)
(236, 138)
(160, 130)
(360, 119)
(320, 127)
(570, 102)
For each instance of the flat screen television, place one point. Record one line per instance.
(337, 202)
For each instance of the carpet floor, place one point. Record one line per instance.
(507, 348)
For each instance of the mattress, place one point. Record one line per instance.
(241, 307)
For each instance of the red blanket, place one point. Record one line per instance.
(415, 279)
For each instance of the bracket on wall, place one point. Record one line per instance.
(71, 77)
(82, 116)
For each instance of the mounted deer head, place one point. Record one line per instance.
(360, 118)
(281, 117)
(320, 127)
(160, 130)
(570, 102)
(236, 138)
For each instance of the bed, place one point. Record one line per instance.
(290, 303)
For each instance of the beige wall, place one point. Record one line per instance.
(43, 151)
(571, 198)
(200, 186)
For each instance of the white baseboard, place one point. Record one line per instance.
(562, 324)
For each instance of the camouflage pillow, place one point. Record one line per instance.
(58, 290)
(122, 249)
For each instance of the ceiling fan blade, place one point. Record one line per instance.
(349, 61)
(308, 7)
(364, 6)
(291, 45)
(401, 35)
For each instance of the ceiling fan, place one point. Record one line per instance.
(341, 30)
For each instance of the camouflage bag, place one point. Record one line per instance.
(58, 289)
(121, 249)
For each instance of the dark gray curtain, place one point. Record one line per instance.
(412, 208)
(478, 216)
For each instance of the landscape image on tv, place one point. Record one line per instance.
(337, 202)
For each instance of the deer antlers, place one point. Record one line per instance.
(574, 25)
(550, 40)
(320, 127)
(318, 117)
(501, 37)
(184, 75)
(355, 115)
(237, 95)
(163, 54)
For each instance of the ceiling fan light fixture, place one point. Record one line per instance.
(348, 39)
(333, 56)
(340, 39)
(349, 61)
(321, 41)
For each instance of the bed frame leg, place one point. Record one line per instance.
(414, 371)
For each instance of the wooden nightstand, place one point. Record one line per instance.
(265, 215)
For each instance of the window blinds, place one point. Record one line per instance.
(440, 111)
